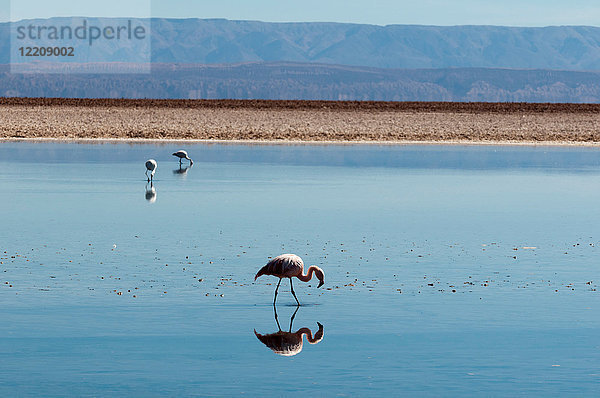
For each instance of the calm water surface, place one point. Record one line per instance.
(449, 270)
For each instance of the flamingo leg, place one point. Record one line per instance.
(292, 318)
(276, 289)
(276, 317)
(292, 285)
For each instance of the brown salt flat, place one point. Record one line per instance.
(313, 121)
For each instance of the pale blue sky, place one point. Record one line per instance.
(380, 12)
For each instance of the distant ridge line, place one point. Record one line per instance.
(384, 106)
(297, 81)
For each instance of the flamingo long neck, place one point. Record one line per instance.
(308, 276)
(318, 336)
(307, 332)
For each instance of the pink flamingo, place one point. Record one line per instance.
(289, 266)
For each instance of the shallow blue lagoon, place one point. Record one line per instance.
(449, 270)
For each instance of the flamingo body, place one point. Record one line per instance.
(181, 154)
(151, 166)
(283, 266)
(289, 266)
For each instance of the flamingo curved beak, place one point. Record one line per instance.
(321, 283)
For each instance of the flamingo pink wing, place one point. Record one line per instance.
(284, 266)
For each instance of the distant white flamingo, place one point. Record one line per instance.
(289, 266)
(151, 166)
(181, 154)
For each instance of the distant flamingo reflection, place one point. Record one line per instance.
(150, 193)
(287, 343)
(182, 171)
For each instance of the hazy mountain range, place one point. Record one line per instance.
(249, 59)
(395, 46)
(309, 81)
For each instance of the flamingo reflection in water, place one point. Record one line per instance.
(287, 343)
(150, 193)
(182, 171)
